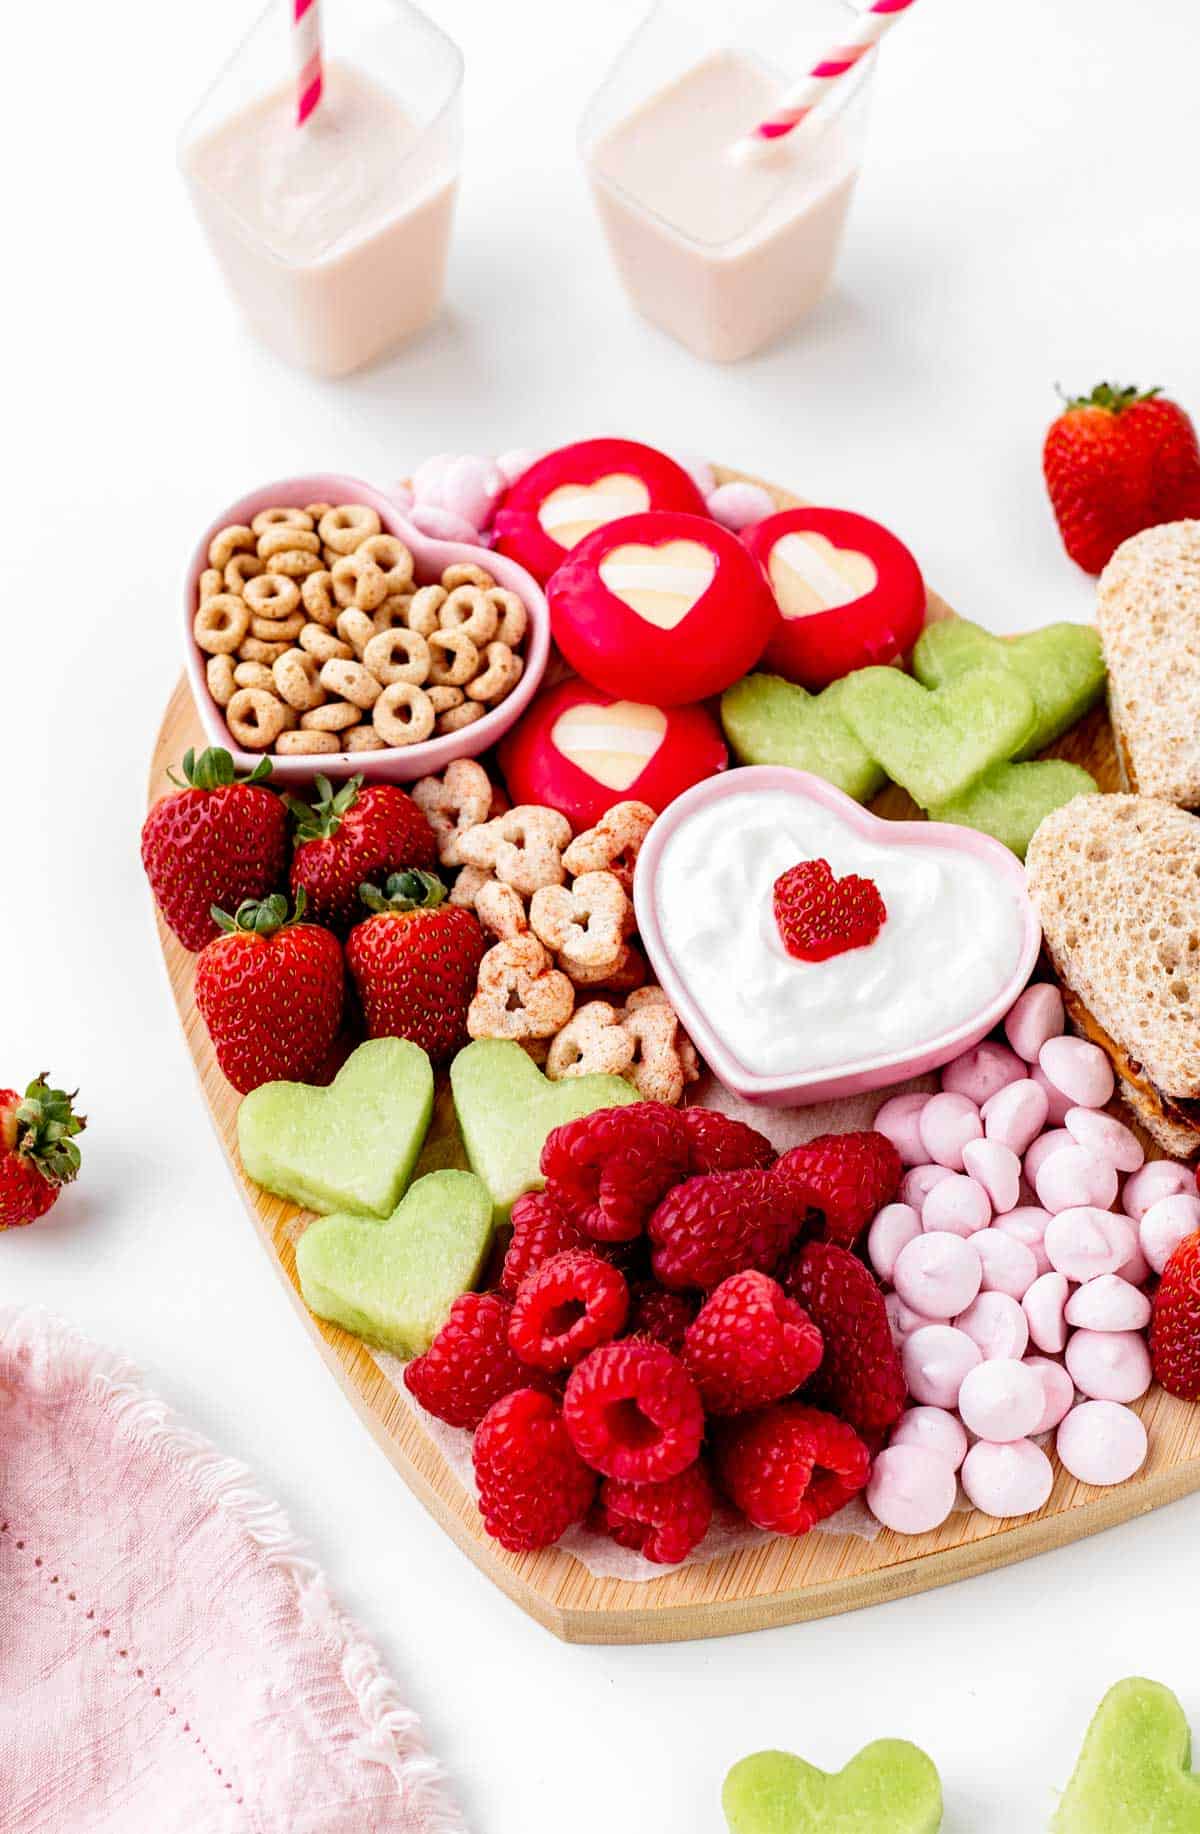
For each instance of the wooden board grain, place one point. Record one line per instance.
(775, 1582)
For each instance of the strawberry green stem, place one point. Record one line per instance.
(214, 770)
(404, 891)
(1110, 396)
(260, 916)
(46, 1125)
(321, 820)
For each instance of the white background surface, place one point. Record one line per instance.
(1027, 214)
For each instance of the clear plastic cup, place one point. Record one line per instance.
(725, 254)
(333, 236)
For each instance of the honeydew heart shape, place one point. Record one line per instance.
(506, 1108)
(891, 1787)
(935, 743)
(771, 721)
(809, 574)
(1011, 801)
(393, 1282)
(1062, 665)
(613, 744)
(660, 584)
(1134, 1773)
(572, 511)
(349, 1147)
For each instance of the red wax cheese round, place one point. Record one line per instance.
(580, 750)
(577, 489)
(848, 592)
(661, 607)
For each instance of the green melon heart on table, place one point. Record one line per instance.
(1134, 1773)
(393, 1282)
(349, 1147)
(771, 721)
(891, 1787)
(1011, 801)
(1062, 665)
(506, 1107)
(935, 743)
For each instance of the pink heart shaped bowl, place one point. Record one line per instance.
(958, 944)
(398, 764)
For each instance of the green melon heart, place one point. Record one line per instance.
(351, 1146)
(1062, 665)
(1134, 1773)
(891, 1787)
(771, 721)
(935, 743)
(1011, 800)
(506, 1107)
(393, 1283)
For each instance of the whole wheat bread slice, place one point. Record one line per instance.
(1148, 616)
(1115, 881)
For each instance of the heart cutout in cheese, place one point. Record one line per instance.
(661, 584)
(575, 510)
(613, 744)
(809, 574)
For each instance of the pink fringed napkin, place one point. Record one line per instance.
(169, 1658)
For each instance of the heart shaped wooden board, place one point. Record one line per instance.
(773, 1582)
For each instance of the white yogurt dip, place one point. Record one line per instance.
(952, 938)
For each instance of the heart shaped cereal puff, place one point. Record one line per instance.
(1010, 801)
(1134, 1773)
(349, 1147)
(768, 720)
(891, 1787)
(935, 743)
(1062, 665)
(393, 1283)
(506, 1107)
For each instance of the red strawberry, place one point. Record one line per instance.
(221, 840)
(1116, 462)
(354, 835)
(791, 1467)
(819, 916)
(38, 1154)
(847, 1177)
(1175, 1322)
(415, 962)
(270, 990)
(860, 1376)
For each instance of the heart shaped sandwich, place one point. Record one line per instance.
(1113, 880)
(721, 905)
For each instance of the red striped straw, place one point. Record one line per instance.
(812, 89)
(306, 52)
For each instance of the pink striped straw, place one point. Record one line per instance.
(812, 89)
(306, 55)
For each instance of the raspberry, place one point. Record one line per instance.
(819, 916)
(609, 1169)
(847, 1177)
(860, 1376)
(532, 1483)
(751, 1344)
(541, 1228)
(722, 1224)
(718, 1144)
(791, 1467)
(659, 1316)
(469, 1365)
(633, 1413)
(1175, 1323)
(663, 1522)
(565, 1307)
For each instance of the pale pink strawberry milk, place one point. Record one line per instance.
(333, 236)
(724, 253)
